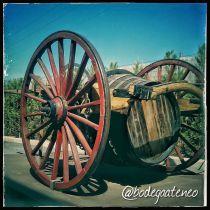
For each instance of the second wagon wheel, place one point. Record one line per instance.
(69, 154)
(191, 109)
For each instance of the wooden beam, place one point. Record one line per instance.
(175, 87)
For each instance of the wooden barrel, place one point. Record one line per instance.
(152, 125)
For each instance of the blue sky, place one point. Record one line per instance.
(122, 32)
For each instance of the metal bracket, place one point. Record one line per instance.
(142, 92)
(135, 91)
(122, 93)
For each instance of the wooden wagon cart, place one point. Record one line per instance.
(84, 114)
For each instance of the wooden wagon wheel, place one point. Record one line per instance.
(189, 107)
(63, 164)
(174, 66)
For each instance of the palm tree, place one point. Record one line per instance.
(170, 54)
(200, 58)
(137, 67)
(113, 65)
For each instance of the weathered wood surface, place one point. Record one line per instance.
(175, 87)
(151, 125)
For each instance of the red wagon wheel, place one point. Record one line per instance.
(191, 108)
(175, 70)
(70, 153)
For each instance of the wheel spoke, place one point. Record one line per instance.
(42, 140)
(83, 120)
(61, 67)
(71, 67)
(191, 128)
(39, 128)
(170, 73)
(56, 155)
(73, 146)
(185, 74)
(54, 69)
(81, 106)
(44, 87)
(49, 150)
(159, 73)
(79, 74)
(47, 74)
(87, 86)
(80, 136)
(188, 143)
(181, 158)
(65, 156)
(35, 98)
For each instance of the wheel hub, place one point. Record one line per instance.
(58, 109)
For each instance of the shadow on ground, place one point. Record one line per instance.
(123, 175)
(92, 186)
(129, 175)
